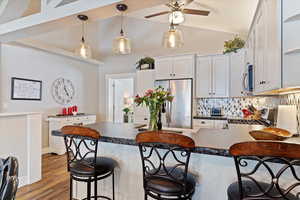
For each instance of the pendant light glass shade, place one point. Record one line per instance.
(121, 45)
(173, 38)
(84, 50)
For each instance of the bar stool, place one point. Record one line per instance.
(164, 180)
(83, 164)
(9, 169)
(249, 157)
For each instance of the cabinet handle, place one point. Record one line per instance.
(78, 124)
(263, 82)
(171, 74)
(203, 122)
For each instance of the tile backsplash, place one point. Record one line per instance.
(232, 107)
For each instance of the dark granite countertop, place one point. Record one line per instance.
(208, 141)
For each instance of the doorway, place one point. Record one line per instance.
(120, 96)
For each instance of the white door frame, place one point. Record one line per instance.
(116, 76)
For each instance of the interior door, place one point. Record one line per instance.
(183, 66)
(164, 68)
(220, 75)
(203, 77)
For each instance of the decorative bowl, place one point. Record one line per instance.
(271, 134)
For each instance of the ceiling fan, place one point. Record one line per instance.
(177, 11)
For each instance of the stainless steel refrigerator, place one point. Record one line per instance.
(178, 113)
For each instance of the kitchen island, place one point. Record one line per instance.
(210, 162)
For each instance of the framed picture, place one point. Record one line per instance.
(26, 89)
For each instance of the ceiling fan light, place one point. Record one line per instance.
(176, 17)
(173, 38)
(122, 45)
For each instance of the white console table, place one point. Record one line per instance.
(56, 144)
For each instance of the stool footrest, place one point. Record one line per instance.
(102, 197)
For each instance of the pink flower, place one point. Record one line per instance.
(149, 93)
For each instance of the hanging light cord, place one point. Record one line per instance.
(122, 18)
(83, 32)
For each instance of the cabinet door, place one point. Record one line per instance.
(183, 66)
(237, 69)
(272, 65)
(260, 45)
(144, 81)
(220, 74)
(164, 68)
(203, 77)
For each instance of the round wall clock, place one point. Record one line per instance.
(63, 91)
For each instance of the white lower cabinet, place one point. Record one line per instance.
(209, 123)
(212, 76)
(56, 144)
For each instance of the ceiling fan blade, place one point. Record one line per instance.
(196, 12)
(157, 14)
(186, 2)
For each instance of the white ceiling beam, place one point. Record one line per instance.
(54, 3)
(60, 17)
(47, 21)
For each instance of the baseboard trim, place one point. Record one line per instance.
(46, 150)
(23, 180)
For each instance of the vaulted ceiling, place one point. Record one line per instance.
(227, 18)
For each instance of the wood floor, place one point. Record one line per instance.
(54, 184)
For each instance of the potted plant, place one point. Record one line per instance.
(126, 114)
(233, 45)
(154, 99)
(145, 63)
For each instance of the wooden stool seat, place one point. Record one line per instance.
(165, 159)
(276, 163)
(250, 188)
(83, 163)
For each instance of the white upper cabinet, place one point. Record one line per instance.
(204, 77)
(276, 45)
(220, 73)
(212, 76)
(164, 68)
(175, 67)
(237, 72)
(291, 43)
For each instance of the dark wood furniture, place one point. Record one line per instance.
(165, 171)
(9, 169)
(252, 159)
(83, 164)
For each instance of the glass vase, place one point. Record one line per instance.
(154, 110)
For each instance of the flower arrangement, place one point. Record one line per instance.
(154, 99)
(233, 45)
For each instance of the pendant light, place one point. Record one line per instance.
(173, 38)
(121, 44)
(84, 50)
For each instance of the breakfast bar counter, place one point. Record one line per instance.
(210, 161)
(208, 141)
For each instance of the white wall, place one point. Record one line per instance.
(33, 64)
